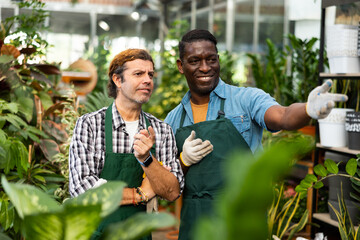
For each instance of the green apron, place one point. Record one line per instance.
(120, 167)
(204, 180)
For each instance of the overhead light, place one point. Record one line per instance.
(135, 16)
(104, 25)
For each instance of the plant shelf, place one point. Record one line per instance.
(325, 217)
(340, 75)
(339, 149)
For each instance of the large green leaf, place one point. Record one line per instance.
(45, 100)
(44, 226)
(320, 170)
(6, 214)
(109, 195)
(331, 166)
(73, 223)
(28, 199)
(138, 226)
(351, 166)
(81, 221)
(26, 107)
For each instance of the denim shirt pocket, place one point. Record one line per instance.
(242, 124)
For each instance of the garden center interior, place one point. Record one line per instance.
(54, 62)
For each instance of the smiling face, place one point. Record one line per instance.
(137, 84)
(201, 67)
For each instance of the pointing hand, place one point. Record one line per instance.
(321, 102)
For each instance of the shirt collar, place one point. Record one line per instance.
(219, 91)
(118, 121)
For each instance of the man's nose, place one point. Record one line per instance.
(204, 67)
(147, 79)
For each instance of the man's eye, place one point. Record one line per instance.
(194, 61)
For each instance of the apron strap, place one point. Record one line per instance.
(183, 114)
(221, 113)
(108, 129)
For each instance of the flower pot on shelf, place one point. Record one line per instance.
(332, 128)
(342, 47)
(352, 126)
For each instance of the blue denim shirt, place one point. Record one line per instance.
(244, 106)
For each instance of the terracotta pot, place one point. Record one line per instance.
(308, 130)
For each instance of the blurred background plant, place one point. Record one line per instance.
(31, 104)
(290, 74)
(249, 194)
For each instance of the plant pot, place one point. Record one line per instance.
(308, 130)
(332, 128)
(352, 126)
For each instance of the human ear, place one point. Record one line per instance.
(179, 65)
(116, 80)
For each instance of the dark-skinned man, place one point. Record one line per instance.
(215, 118)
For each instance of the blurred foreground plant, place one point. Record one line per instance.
(43, 218)
(240, 209)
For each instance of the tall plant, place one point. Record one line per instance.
(271, 73)
(281, 71)
(30, 128)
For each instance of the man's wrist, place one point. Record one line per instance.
(182, 160)
(147, 160)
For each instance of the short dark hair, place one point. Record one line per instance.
(193, 36)
(117, 65)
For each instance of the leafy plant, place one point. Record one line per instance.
(305, 65)
(248, 193)
(331, 169)
(272, 75)
(43, 218)
(281, 216)
(99, 56)
(31, 131)
(281, 71)
(97, 100)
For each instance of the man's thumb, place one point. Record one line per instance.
(191, 136)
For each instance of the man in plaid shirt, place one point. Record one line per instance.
(122, 142)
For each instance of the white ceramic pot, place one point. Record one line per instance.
(332, 128)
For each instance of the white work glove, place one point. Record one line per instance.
(194, 150)
(321, 102)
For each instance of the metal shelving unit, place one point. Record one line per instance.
(325, 217)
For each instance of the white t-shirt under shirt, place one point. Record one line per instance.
(131, 129)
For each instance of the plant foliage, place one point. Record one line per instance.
(43, 218)
(241, 208)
